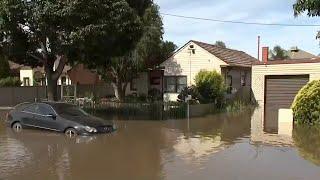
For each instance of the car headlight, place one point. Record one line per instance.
(90, 129)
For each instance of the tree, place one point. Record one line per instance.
(4, 67)
(52, 33)
(220, 44)
(278, 53)
(149, 50)
(311, 6)
(211, 86)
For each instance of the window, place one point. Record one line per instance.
(26, 81)
(175, 84)
(243, 79)
(45, 109)
(31, 109)
(229, 84)
(63, 80)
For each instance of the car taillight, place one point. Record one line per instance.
(8, 116)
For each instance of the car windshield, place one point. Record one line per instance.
(70, 110)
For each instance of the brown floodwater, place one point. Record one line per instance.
(223, 146)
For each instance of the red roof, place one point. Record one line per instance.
(230, 56)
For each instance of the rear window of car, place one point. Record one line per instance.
(21, 106)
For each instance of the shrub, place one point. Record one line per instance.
(10, 82)
(306, 106)
(154, 95)
(190, 90)
(211, 86)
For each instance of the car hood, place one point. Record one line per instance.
(87, 120)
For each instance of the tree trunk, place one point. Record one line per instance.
(53, 76)
(52, 87)
(120, 90)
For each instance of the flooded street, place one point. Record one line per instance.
(213, 147)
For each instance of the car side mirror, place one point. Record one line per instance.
(52, 116)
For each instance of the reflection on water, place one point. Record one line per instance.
(214, 147)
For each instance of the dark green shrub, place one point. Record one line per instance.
(306, 106)
(10, 82)
(190, 90)
(211, 86)
(154, 95)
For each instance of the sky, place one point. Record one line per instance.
(237, 36)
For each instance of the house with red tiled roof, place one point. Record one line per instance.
(181, 68)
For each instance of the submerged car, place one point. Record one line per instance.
(59, 117)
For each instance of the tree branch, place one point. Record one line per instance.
(36, 57)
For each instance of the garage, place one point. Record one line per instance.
(280, 91)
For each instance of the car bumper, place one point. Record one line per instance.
(100, 130)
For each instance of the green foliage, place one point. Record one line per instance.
(4, 67)
(154, 95)
(190, 90)
(10, 82)
(211, 86)
(306, 106)
(220, 44)
(307, 140)
(278, 53)
(37, 33)
(311, 6)
(149, 50)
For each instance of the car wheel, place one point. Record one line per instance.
(71, 132)
(17, 127)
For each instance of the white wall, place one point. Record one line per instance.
(26, 73)
(179, 65)
(260, 71)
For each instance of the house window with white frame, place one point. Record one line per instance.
(175, 84)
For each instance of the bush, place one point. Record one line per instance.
(211, 86)
(191, 90)
(10, 82)
(4, 67)
(306, 106)
(154, 95)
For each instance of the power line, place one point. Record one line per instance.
(240, 22)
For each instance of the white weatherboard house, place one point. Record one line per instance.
(181, 68)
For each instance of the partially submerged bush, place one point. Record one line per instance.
(211, 86)
(190, 90)
(10, 82)
(306, 106)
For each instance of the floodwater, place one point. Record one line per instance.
(224, 146)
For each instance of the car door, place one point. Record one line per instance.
(27, 115)
(45, 118)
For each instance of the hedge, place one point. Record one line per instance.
(306, 106)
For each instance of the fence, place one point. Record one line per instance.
(11, 96)
(150, 111)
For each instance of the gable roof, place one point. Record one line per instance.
(300, 54)
(229, 56)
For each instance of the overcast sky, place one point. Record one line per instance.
(236, 36)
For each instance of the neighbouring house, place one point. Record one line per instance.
(36, 76)
(296, 53)
(181, 68)
(276, 83)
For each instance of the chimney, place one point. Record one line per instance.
(265, 54)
